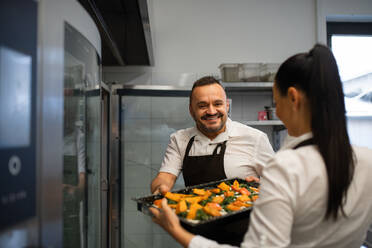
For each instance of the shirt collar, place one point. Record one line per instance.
(220, 138)
(291, 141)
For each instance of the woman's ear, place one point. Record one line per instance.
(294, 97)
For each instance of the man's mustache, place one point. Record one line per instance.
(206, 116)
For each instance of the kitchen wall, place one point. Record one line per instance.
(192, 38)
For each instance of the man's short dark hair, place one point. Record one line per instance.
(203, 82)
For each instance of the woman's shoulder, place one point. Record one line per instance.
(298, 160)
(363, 155)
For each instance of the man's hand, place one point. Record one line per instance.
(162, 189)
(252, 179)
(163, 183)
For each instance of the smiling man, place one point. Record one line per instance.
(217, 148)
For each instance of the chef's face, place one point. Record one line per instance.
(209, 108)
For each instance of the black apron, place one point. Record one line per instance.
(208, 168)
(203, 169)
(307, 142)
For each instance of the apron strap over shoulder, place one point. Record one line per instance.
(220, 145)
(189, 145)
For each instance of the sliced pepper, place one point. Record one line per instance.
(173, 196)
(232, 207)
(172, 206)
(218, 199)
(211, 211)
(214, 205)
(192, 200)
(254, 197)
(254, 189)
(199, 191)
(216, 190)
(237, 189)
(206, 195)
(193, 209)
(243, 198)
(241, 204)
(181, 207)
(157, 203)
(229, 193)
(223, 186)
(244, 191)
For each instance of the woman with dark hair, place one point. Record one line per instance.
(316, 191)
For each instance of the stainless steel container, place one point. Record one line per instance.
(271, 113)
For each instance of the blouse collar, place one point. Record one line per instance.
(291, 141)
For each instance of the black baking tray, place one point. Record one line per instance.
(236, 222)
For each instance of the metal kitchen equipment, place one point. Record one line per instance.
(206, 226)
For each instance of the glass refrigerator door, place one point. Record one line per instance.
(81, 150)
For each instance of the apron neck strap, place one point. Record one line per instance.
(307, 142)
(222, 146)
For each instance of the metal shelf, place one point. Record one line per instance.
(265, 123)
(244, 86)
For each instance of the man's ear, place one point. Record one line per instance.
(191, 111)
(227, 105)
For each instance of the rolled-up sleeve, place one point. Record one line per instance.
(172, 162)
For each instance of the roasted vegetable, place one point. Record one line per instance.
(192, 200)
(192, 212)
(218, 199)
(181, 207)
(216, 190)
(202, 204)
(199, 191)
(173, 196)
(233, 207)
(214, 205)
(172, 202)
(201, 215)
(223, 186)
(157, 203)
(206, 195)
(254, 197)
(241, 204)
(211, 211)
(243, 198)
(256, 190)
(229, 193)
(228, 200)
(235, 186)
(244, 191)
(183, 214)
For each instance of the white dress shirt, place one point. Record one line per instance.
(293, 200)
(247, 149)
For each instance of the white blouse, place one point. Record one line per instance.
(293, 199)
(247, 149)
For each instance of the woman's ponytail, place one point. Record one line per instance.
(316, 73)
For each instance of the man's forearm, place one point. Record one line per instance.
(163, 178)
